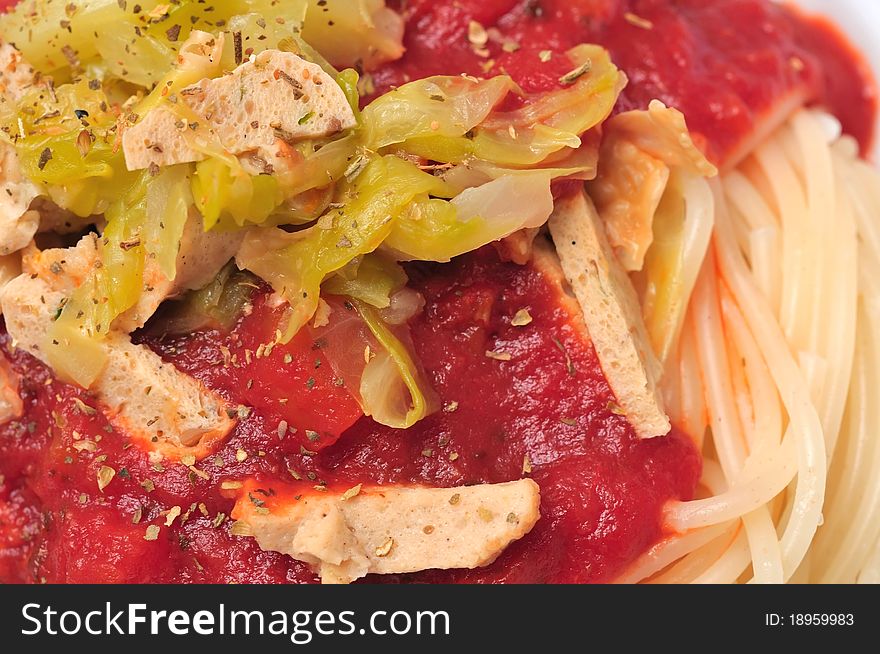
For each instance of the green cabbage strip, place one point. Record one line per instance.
(223, 189)
(348, 82)
(682, 229)
(227, 195)
(73, 356)
(73, 159)
(373, 280)
(218, 304)
(354, 32)
(167, 210)
(73, 342)
(108, 36)
(380, 393)
(437, 230)
(296, 264)
(522, 138)
(36, 29)
(580, 164)
(435, 107)
(322, 165)
(392, 388)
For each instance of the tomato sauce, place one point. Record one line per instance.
(548, 409)
(729, 65)
(547, 413)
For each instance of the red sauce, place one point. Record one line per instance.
(726, 64)
(602, 488)
(293, 382)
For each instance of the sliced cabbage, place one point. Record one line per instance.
(436, 230)
(376, 363)
(36, 29)
(417, 215)
(580, 164)
(393, 390)
(222, 189)
(373, 280)
(296, 264)
(75, 162)
(133, 41)
(546, 125)
(447, 107)
(638, 150)
(119, 280)
(167, 209)
(322, 164)
(217, 305)
(682, 229)
(353, 33)
(75, 357)
(142, 60)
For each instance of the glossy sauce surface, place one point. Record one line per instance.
(547, 412)
(728, 65)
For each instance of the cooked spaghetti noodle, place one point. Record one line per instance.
(778, 359)
(609, 269)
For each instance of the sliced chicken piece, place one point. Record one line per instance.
(158, 406)
(200, 257)
(344, 536)
(16, 75)
(627, 193)
(663, 133)
(638, 150)
(63, 269)
(277, 96)
(611, 311)
(18, 222)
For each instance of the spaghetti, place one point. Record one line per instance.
(785, 323)
(609, 267)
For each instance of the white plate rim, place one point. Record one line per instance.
(860, 21)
